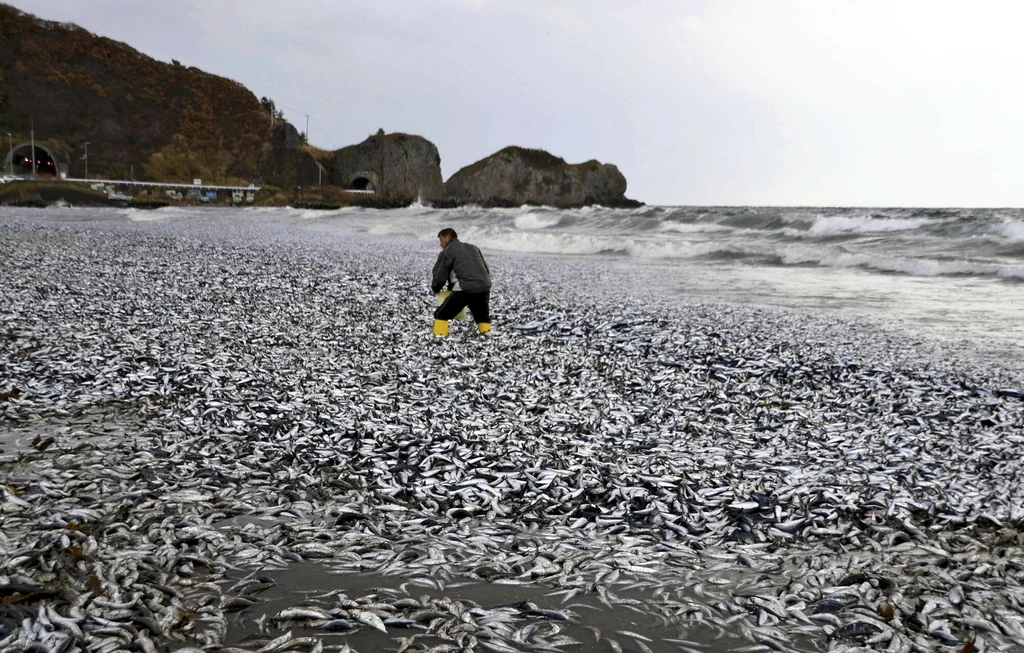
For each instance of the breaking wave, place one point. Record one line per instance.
(550, 243)
(864, 225)
(532, 220)
(918, 267)
(762, 254)
(916, 242)
(879, 242)
(1014, 230)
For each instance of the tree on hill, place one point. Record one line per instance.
(271, 108)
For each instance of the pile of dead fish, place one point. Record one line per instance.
(192, 410)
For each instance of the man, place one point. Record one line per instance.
(462, 268)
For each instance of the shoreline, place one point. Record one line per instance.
(280, 399)
(958, 316)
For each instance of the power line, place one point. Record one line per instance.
(330, 141)
(301, 113)
(281, 106)
(327, 139)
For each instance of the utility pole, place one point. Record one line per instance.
(86, 157)
(33, 148)
(301, 114)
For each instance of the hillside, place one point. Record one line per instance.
(136, 112)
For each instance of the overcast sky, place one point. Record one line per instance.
(765, 102)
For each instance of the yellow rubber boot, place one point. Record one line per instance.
(483, 327)
(440, 327)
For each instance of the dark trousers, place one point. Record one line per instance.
(479, 304)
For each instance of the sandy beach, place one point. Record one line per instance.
(232, 434)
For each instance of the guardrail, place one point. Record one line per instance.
(163, 184)
(160, 184)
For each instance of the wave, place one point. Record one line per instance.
(923, 243)
(531, 220)
(321, 214)
(732, 252)
(839, 257)
(397, 229)
(577, 244)
(1012, 229)
(834, 225)
(692, 227)
(145, 215)
(650, 211)
(160, 214)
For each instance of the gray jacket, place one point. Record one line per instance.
(461, 266)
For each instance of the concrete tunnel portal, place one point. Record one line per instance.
(19, 161)
(361, 183)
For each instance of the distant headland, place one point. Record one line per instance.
(112, 112)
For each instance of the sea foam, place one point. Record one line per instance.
(532, 220)
(863, 225)
(838, 257)
(1013, 229)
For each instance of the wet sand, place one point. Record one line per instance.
(314, 585)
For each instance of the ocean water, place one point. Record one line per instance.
(952, 275)
(955, 275)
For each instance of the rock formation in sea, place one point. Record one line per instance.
(394, 166)
(515, 176)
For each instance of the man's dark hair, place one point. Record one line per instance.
(447, 232)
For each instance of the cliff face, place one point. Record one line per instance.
(515, 176)
(80, 88)
(287, 163)
(398, 166)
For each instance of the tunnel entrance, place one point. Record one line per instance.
(20, 161)
(361, 183)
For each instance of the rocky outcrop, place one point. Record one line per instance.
(288, 163)
(394, 166)
(515, 176)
